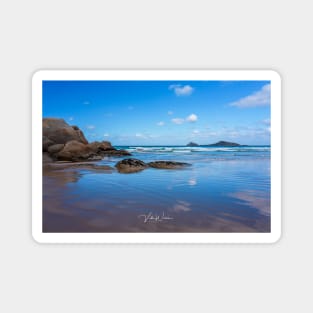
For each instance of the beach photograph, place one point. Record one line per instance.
(156, 156)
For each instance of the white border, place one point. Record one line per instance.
(270, 75)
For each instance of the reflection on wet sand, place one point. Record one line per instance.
(182, 206)
(256, 199)
(69, 206)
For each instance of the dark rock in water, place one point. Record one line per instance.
(46, 143)
(130, 165)
(225, 144)
(58, 131)
(55, 148)
(168, 164)
(75, 151)
(105, 148)
(77, 165)
(192, 144)
(115, 152)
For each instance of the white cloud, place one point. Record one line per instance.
(180, 90)
(196, 131)
(106, 135)
(170, 112)
(267, 121)
(261, 97)
(139, 135)
(160, 123)
(178, 121)
(86, 102)
(192, 118)
(71, 118)
(91, 127)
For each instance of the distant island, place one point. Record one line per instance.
(192, 144)
(226, 144)
(218, 144)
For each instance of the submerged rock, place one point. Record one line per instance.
(115, 152)
(105, 148)
(77, 165)
(168, 164)
(130, 165)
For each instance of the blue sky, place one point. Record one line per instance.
(163, 112)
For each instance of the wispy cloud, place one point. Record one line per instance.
(139, 135)
(153, 136)
(106, 135)
(170, 112)
(86, 102)
(160, 123)
(266, 121)
(71, 118)
(259, 98)
(240, 134)
(192, 118)
(178, 120)
(180, 90)
(91, 127)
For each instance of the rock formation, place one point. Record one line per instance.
(134, 165)
(130, 166)
(168, 164)
(58, 131)
(62, 142)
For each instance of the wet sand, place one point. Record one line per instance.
(85, 197)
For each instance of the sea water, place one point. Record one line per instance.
(226, 189)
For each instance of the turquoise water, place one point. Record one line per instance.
(225, 190)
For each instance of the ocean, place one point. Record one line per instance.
(226, 189)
